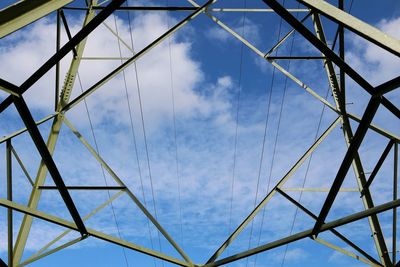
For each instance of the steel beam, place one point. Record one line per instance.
(345, 252)
(21, 164)
(67, 31)
(9, 87)
(43, 187)
(307, 233)
(377, 167)
(23, 13)
(311, 189)
(355, 25)
(9, 198)
(388, 86)
(14, 134)
(45, 154)
(369, 113)
(394, 227)
(51, 251)
(186, 8)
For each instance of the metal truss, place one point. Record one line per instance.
(25, 12)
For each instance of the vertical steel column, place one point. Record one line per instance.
(57, 89)
(396, 159)
(9, 197)
(342, 75)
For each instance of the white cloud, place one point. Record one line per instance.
(372, 61)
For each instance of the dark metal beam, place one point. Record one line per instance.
(33, 130)
(377, 167)
(394, 230)
(369, 114)
(300, 28)
(335, 232)
(9, 197)
(44, 187)
(9, 87)
(82, 34)
(65, 23)
(2, 263)
(57, 78)
(342, 74)
(388, 86)
(294, 57)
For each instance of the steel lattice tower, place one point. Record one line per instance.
(354, 128)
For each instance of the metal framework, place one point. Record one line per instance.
(25, 12)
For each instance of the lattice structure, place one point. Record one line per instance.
(310, 27)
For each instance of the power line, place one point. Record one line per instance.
(145, 143)
(174, 124)
(102, 169)
(144, 133)
(134, 140)
(237, 121)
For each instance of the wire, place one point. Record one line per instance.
(145, 143)
(237, 120)
(306, 174)
(278, 128)
(133, 133)
(102, 169)
(262, 153)
(174, 124)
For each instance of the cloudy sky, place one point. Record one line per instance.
(200, 129)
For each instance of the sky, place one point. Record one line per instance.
(200, 129)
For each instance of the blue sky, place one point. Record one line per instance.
(208, 68)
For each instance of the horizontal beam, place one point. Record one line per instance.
(355, 25)
(309, 189)
(294, 57)
(22, 13)
(45, 187)
(185, 8)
